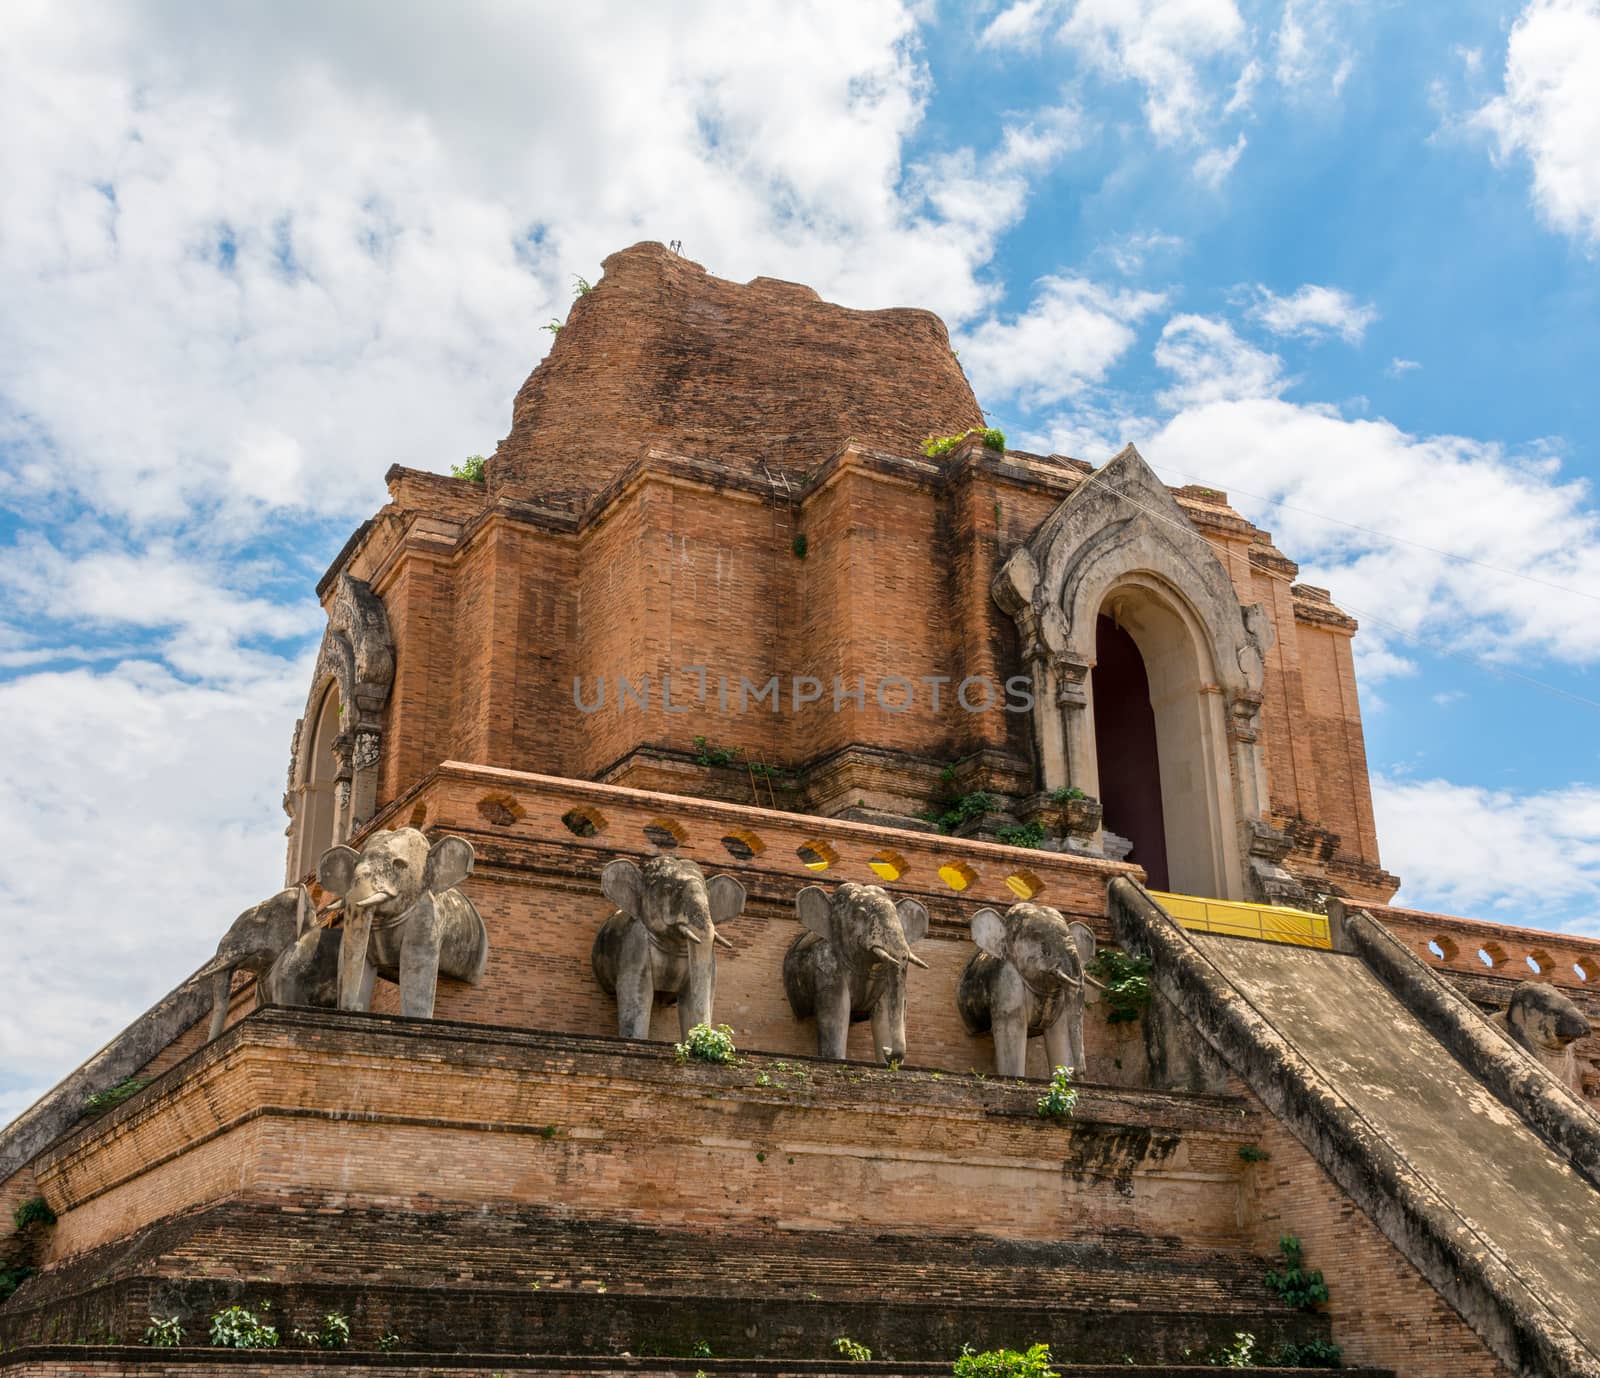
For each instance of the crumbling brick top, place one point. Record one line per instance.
(662, 355)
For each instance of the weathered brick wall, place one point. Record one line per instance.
(693, 564)
(400, 1116)
(661, 354)
(1383, 1312)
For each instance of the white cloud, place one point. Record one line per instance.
(1313, 60)
(1549, 110)
(1212, 167)
(1314, 311)
(1182, 53)
(1020, 25)
(141, 813)
(204, 624)
(1130, 253)
(1210, 363)
(1398, 367)
(254, 257)
(1474, 499)
(1465, 849)
(1070, 335)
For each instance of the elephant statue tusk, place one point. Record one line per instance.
(371, 900)
(916, 961)
(1066, 977)
(884, 955)
(687, 932)
(1098, 985)
(718, 938)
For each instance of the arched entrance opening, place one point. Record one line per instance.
(319, 801)
(1125, 750)
(1160, 742)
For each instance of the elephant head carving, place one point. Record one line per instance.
(661, 940)
(1545, 1023)
(1029, 977)
(404, 919)
(294, 961)
(851, 962)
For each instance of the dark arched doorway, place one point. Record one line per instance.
(1126, 752)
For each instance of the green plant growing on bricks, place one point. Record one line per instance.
(1065, 794)
(35, 1210)
(235, 1327)
(936, 445)
(710, 754)
(164, 1332)
(706, 1044)
(114, 1095)
(1314, 1353)
(333, 1333)
(1061, 1099)
(1125, 982)
(1239, 1354)
(1022, 835)
(852, 1350)
(1294, 1285)
(471, 469)
(1032, 1362)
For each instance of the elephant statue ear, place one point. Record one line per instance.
(989, 932)
(336, 871)
(1083, 940)
(449, 863)
(623, 884)
(727, 898)
(815, 910)
(913, 920)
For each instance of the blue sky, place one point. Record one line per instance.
(1338, 259)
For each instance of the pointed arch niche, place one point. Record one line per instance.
(1147, 675)
(333, 759)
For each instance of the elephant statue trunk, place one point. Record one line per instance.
(294, 962)
(221, 996)
(661, 940)
(851, 965)
(405, 920)
(1029, 977)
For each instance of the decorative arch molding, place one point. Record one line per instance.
(1122, 536)
(356, 663)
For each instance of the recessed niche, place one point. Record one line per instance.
(665, 833)
(584, 821)
(957, 875)
(501, 810)
(888, 865)
(1024, 885)
(816, 855)
(743, 845)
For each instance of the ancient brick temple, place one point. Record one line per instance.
(924, 768)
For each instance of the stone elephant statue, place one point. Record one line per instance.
(851, 964)
(404, 919)
(660, 942)
(294, 961)
(1028, 978)
(1544, 1022)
